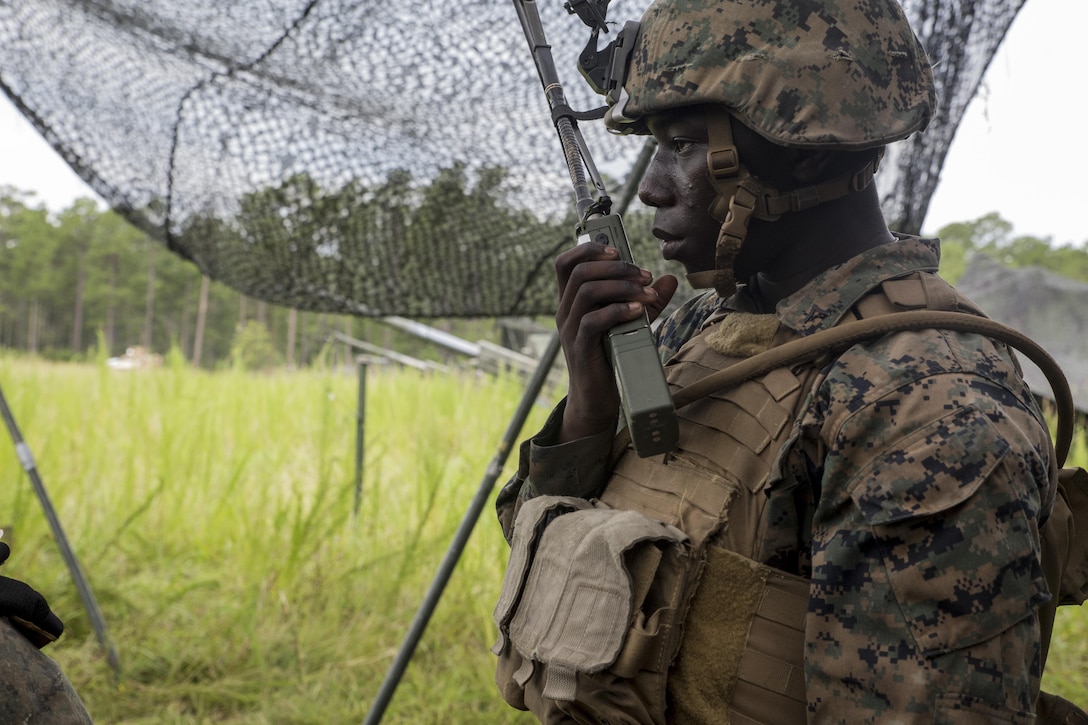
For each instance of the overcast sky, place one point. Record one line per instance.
(1021, 150)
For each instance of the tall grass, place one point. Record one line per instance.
(213, 515)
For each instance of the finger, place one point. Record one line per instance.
(39, 636)
(568, 261)
(597, 283)
(600, 304)
(593, 326)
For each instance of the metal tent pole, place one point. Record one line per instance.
(363, 363)
(468, 522)
(22, 451)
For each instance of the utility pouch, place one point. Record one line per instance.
(1073, 493)
(1054, 710)
(588, 616)
(1065, 562)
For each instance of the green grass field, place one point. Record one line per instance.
(213, 516)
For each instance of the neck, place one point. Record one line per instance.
(786, 254)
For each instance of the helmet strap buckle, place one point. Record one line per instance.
(742, 204)
(723, 163)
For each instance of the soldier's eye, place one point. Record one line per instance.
(683, 145)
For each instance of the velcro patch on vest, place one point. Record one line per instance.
(742, 657)
(743, 334)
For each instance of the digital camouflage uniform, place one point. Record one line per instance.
(911, 496)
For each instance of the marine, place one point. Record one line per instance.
(854, 538)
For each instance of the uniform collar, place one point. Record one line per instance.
(822, 302)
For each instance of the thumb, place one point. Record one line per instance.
(665, 286)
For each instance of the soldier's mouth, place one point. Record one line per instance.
(670, 248)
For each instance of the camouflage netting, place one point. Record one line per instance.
(370, 158)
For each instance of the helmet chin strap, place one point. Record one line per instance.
(741, 197)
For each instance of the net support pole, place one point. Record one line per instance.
(360, 430)
(464, 530)
(90, 604)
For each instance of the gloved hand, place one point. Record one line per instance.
(26, 609)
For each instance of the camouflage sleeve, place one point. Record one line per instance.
(925, 543)
(576, 468)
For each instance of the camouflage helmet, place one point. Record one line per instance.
(817, 74)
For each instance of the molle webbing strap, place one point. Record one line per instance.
(771, 681)
(843, 336)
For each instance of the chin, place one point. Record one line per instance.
(695, 267)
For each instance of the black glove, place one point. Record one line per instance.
(27, 609)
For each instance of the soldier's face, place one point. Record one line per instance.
(677, 185)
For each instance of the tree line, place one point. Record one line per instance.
(85, 282)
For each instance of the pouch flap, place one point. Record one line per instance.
(935, 468)
(577, 602)
(532, 518)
